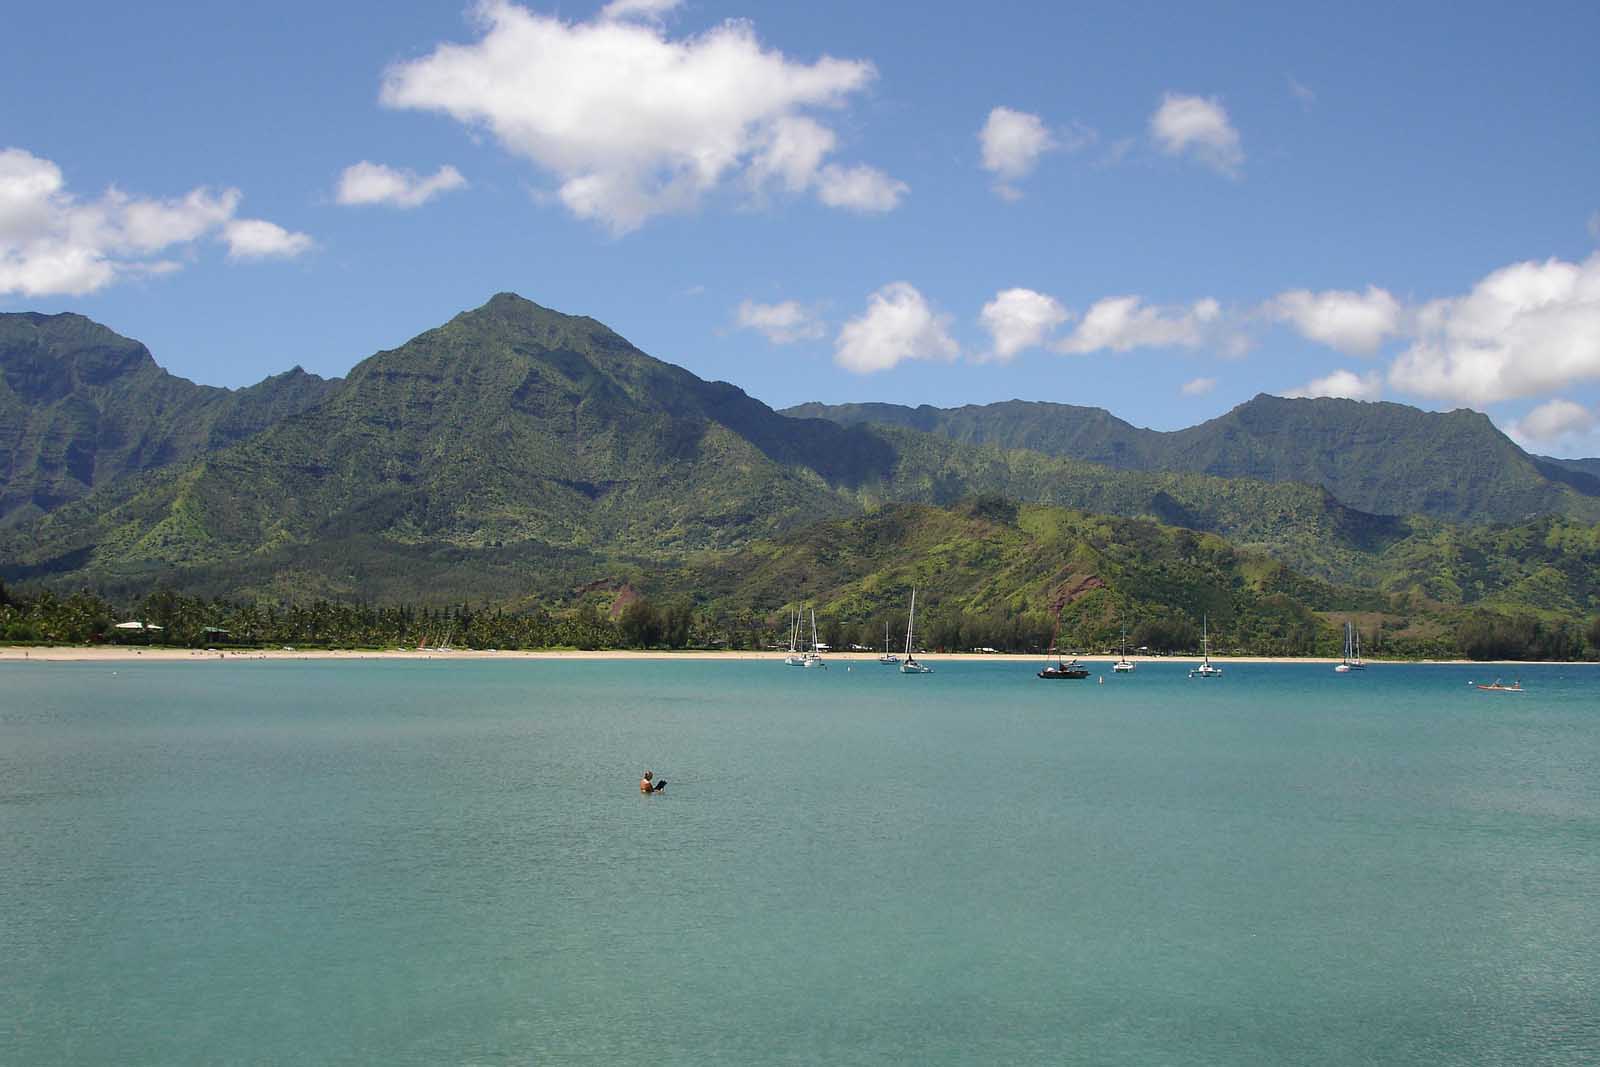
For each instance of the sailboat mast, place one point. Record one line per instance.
(911, 620)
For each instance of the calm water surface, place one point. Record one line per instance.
(435, 862)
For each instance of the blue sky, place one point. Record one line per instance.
(1159, 209)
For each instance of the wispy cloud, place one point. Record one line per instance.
(1121, 323)
(782, 323)
(1552, 423)
(1345, 384)
(260, 239)
(375, 183)
(1198, 127)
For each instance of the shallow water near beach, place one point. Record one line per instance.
(433, 862)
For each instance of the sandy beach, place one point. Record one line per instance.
(124, 653)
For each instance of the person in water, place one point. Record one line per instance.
(648, 785)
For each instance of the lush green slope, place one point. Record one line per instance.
(992, 573)
(1382, 458)
(81, 407)
(1002, 569)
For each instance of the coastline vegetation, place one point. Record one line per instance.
(42, 617)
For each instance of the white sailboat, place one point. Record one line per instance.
(1206, 669)
(1123, 665)
(814, 658)
(794, 658)
(888, 659)
(1352, 651)
(911, 666)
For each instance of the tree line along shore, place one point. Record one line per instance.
(167, 619)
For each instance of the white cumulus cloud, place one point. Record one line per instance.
(1120, 323)
(1342, 383)
(634, 124)
(54, 242)
(1012, 142)
(260, 239)
(1552, 421)
(1198, 127)
(1198, 386)
(1351, 322)
(782, 323)
(1020, 318)
(1525, 329)
(375, 183)
(899, 324)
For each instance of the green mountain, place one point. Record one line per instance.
(517, 456)
(1381, 458)
(81, 407)
(514, 433)
(510, 425)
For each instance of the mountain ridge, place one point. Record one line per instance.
(81, 406)
(1376, 456)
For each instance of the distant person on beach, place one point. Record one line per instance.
(648, 785)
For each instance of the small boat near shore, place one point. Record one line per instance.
(911, 666)
(1352, 651)
(1060, 670)
(888, 659)
(1124, 665)
(1206, 669)
(794, 658)
(1497, 686)
(814, 658)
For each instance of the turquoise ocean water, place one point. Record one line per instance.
(450, 862)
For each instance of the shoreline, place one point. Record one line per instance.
(126, 654)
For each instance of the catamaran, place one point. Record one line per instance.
(1352, 651)
(1206, 669)
(911, 666)
(794, 658)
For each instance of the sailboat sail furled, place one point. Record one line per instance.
(911, 666)
(1352, 651)
(814, 658)
(1123, 665)
(794, 658)
(1206, 669)
(888, 659)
